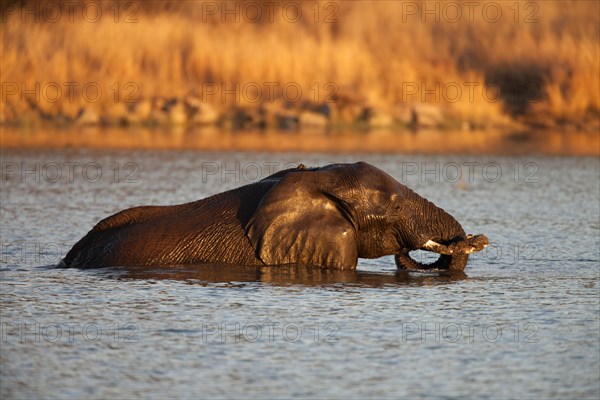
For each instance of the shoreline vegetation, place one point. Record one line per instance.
(327, 66)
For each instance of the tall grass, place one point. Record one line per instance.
(544, 63)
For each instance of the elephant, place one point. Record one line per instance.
(326, 217)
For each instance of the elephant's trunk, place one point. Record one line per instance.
(456, 262)
(435, 230)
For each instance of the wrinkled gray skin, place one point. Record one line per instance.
(327, 217)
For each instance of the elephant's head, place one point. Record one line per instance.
(333, 215)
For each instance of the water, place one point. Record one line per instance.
(522, 323)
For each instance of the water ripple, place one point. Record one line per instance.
(526, 308)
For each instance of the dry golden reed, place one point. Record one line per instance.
(537, 61)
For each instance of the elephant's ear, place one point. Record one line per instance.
(299, 221)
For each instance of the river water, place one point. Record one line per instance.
(523, 322)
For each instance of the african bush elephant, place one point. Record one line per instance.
(326, 217)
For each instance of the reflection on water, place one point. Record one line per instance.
(282, 276)
(523, 323)
(378, 141)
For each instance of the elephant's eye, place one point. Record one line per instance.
(393, 207)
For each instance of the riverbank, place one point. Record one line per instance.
(377, 141)
(454, 65)
(339, 113)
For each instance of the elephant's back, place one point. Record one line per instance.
(219, 224)
(207, 230)
(133, 215)
(212, 230)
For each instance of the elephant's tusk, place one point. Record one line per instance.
(437, 248)
(472, 244)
